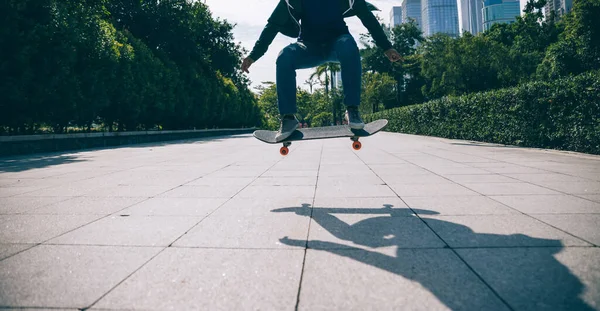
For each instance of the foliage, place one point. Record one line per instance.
(578, 48)
(406, 75)
(562, 114)
(122, 65)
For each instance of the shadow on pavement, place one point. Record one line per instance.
(524, 277)
(23, 163)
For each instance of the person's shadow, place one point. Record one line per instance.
(522, 278)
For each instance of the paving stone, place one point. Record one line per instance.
(508, 188)
(261, 192)
(130, 231)
(6, 192)
(344, 180)
(457, 205)
(550, 177)
(549, 204)
(246, 223)
(480, 178)
(393, 206)
(226, 182)
(248, 214)
(285, 181)
(584, 226)
(290, 173)
(373, 231)
(18, 205)
(548, 278)
(203, 192)
(417, 190)
(353, 191)
(498, 231)
(129, 191)
(398, 170)
(86, 206)
(515, 169)
(416, 179)
(175, 207)
(591, 197)
(7, 250)
(572, 187)
(212, 279)
(39, 228)
(425, 279)
(52, 276)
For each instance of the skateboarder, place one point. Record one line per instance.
(323, 36)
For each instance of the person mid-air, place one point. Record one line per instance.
(323, 37)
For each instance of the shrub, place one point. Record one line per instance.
(562, 114)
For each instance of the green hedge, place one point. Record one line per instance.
(562, 114)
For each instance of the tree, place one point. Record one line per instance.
(578, 47)
(405, 39)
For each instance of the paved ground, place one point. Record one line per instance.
(407, 223)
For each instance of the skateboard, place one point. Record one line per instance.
(322, 133)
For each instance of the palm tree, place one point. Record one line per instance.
(328, 70)
(310, 82)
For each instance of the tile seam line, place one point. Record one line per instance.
(491, 198)
(501, 161)
(297, 306)
(174, 241)
(477, 275)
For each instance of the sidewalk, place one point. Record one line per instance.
(406, 223)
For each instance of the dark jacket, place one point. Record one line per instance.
(284, 19)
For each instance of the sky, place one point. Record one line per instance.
(250, 17)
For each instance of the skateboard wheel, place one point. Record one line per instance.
(284, 151)
(356, 145)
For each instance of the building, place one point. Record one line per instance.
(439, 16)
(396, 16)
(561, 7)
(499, 11)
(471, 18)
(411, 9)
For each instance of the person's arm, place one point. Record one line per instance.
(262, 45)
(372, 24)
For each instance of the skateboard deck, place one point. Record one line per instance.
(322, 133)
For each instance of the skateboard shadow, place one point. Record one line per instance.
(523, 278)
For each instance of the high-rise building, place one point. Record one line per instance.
(471, 19)
(411, 9)
(439, 16)
(499, 11)
(561, 7)
(395, 16)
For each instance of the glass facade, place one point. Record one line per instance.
(439, 16)
(499, 11)
(395, 16)
(561, 7)
(470, 16)
(411, 9)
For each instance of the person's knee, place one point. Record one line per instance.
(286, 57)
(347, 46)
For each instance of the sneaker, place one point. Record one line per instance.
(354, 120)
(289, 124)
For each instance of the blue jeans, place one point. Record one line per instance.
(303, 55)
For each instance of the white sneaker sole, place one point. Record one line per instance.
(357, 126)
(282, 136)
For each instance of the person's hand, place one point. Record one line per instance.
(393, 55)
(246, 64)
